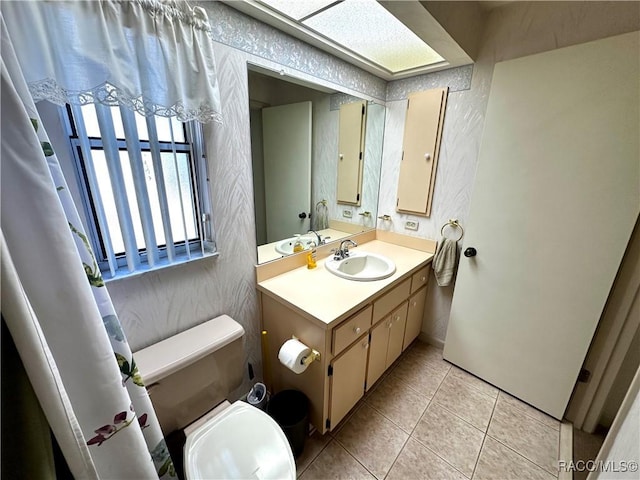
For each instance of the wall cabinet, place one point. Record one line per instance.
(420, 150)
(351, 152)
(355, 352)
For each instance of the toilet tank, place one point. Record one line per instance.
(190, 373)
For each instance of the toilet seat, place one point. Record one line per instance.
(242, 442)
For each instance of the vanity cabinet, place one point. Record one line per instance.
(416, 306)
(386, 343)
(420, 150)
(354, 351)
(348, 373)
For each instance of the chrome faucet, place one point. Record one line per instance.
(320, 240)
(343, 251)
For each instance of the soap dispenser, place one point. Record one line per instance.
(311, 256)
(297, 245)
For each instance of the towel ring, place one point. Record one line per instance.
(454, 224)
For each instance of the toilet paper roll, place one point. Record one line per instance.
(292, 353)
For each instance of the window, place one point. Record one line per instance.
(144, 182)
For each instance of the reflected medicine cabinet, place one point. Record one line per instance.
(420, 149)
(350, 152)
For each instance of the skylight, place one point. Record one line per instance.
(365, 28)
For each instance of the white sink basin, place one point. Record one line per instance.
(285, 247)
(362, 266)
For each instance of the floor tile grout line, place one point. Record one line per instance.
(397, 456)
(484, 438)
(458, 416)
(439, 456)
(470, 385)
(525, 412)
(391, 420)
(520, 454)
(519, 410)
(298, 475)
(426, 446)
(344, 447)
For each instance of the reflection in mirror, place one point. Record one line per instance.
(294, 144)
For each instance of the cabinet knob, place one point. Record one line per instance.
(365, 345)
(341, 156)
(397, 318)
(427, 156)
(423, 278)
(414, 303)
(357, 330)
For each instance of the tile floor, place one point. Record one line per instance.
(428, 419)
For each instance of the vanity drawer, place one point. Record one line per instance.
(419, 279)
(390, 300)
(351, 329)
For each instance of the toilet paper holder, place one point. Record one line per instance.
(312, 357)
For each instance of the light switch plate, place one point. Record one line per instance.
(409, 225)
(347, 213)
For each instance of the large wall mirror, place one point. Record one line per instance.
(297, 130)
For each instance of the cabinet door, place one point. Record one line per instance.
(378, 351)
(396, 333)
(421, 145)
(414, 317)
(347, 382)
(350, 152)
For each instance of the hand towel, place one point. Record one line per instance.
(445, 261)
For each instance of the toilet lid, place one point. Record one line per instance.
(241, 442)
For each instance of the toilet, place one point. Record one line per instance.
(188, 377)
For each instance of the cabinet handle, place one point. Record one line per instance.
(357, 330)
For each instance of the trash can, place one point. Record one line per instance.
(257, 396)
(290, 409)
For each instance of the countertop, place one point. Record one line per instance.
(328, 299)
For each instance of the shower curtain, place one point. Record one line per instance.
(58, 310)
(54, 300)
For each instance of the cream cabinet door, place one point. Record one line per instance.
(378, 352)
(347, 381)
(414, 317)
(396, 333)
(421, 145)
(350, 152)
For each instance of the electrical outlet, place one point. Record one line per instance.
(347, 213)
(409, 225)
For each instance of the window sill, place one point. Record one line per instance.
(123, 273)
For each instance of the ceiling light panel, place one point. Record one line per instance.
(297, 9)
(368, 29)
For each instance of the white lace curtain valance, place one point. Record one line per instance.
(153, 56)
